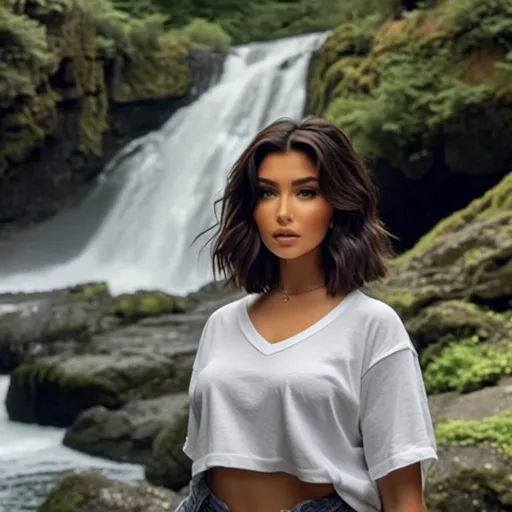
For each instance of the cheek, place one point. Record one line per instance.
(259, 217)
(319, 217)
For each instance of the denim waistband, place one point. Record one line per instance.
(201, 499)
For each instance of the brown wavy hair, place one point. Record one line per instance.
(354, 251)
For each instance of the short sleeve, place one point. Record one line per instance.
(193, 421)
(396, 425)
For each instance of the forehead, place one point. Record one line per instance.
(294, 164)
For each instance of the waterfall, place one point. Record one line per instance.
(135, 228)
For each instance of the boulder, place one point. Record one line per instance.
(127, 434)
(168, 465)
(469, 478)
(55, 390)
(91, 492)
(475, 460)
(42, 324)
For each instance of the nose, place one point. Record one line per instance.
(284, 213)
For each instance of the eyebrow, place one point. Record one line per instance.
(301, 181)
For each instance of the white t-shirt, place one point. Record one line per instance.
(342, 401)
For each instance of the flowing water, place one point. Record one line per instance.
(135, 228)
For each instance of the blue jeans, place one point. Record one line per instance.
(201, 499)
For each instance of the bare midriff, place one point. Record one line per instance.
(253, 491)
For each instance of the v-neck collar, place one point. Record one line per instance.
(267, 348)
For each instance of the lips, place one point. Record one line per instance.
(285, 234)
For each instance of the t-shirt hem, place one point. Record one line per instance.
(425, 456)
(256, 464)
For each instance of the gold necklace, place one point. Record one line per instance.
(286, 295)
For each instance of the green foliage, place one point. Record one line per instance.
(256, 20)
(120, 33)
(402, 119)
(467, 366)
(495, 430)
(480, 21)
(22, 40)
(207, 34)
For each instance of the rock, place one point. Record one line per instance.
(90, 492)
(127, 434)
(168, 465)
(472, 475)
(467, 256)
(472, 406)
(134, 306)
(55, 390)
(469, 478)
(43, 324)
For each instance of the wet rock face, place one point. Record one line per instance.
(53, 391)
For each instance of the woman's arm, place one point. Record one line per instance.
(401, 491)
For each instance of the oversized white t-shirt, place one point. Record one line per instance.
(342, 401)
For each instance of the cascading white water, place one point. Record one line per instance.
(135, 228)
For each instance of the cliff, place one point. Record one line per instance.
(77, 81)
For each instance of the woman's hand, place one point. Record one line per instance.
(401, 490)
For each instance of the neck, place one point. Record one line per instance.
(301, 274)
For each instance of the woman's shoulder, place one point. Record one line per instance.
(228, 311)
(381, 327)
(375, 312)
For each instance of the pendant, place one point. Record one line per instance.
(286, 298)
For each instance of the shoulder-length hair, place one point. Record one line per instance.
(356, 248)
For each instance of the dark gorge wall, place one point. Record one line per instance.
(68, 108)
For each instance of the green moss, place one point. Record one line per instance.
(467, 366)
(88, 291)
(70, 492)
(496, 431)
(159, 74)
(142, 304)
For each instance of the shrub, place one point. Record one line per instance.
(494, 430)
(208, 34)
(467, 366)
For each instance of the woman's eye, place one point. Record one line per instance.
(308, 192)
(265, 192)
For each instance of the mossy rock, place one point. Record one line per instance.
(466, 256)
(127, 434)
(436, 325)
(55, 390)
(493, 204)
(132, 307)
(168, 465)
(162, 73)
(472, 489)
(92, 492)
(90, 291)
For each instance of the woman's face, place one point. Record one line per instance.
(291, 214)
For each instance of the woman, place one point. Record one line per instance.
(306, 394)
